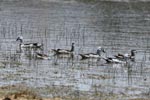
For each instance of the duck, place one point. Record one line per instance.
(42, 56)
(28, 45)
(64, 51)
(126, 56)
(113, 60)
(93, 55)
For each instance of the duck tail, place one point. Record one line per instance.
(116, 56)
(83, 56)
(55, 50)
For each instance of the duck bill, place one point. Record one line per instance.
(18, 39)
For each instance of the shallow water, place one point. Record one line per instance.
(116, 26)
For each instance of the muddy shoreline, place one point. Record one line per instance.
(22, 92)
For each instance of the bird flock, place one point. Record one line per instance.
(118, 58)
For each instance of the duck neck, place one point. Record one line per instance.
(72, 48)
(21, 41)
(20, 47)
(132, 53)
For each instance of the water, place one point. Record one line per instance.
(116, 26)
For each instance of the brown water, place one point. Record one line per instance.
(116, 26)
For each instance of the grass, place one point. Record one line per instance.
(19, 92)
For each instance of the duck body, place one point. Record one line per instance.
(113, 60)
(42, 56)
(31, 45)
(89, 55)
(28, 45)
(122, 56)
(93, 55)
(64, 51)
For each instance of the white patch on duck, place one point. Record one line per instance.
(28, 45)
(64, 51)
(93, 55)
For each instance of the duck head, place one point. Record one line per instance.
(133, 52)
(99, 50)
(20, 38)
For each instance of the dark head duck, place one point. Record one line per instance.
(133, 53)
(126, 56)
(64, 51)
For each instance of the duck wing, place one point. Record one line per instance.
(33, 45)
(55, 50)
(112, 60)
(83, 56)
(116, 61)
(89, 55)
(119, 56)
(93, 55)
(64, 51)
(42, 55)
(61, 51)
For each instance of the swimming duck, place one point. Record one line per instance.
(64, 51)
(126, 56)
(28, 45)
(93, 55)
(42, 56)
